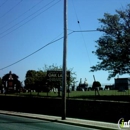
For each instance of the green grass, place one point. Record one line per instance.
(75, 94)
(104, 95)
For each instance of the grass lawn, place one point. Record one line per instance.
(76, 94)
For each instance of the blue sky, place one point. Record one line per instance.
(27, 25)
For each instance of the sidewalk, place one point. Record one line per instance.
(73, 121)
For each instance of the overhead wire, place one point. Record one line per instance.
(53, 41)
(24, 19)
(10, 9)
(22, 14)
(3, 3)
(72, 31)
(81, 31)
(28, 20)
(87, 31)
(83, 35)
(34, 52)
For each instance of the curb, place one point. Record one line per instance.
(71, 121)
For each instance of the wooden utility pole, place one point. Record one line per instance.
(64, 83)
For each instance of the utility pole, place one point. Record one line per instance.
(64, 83)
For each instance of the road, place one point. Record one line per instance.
(8, 122)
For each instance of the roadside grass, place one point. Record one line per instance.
(74, 94)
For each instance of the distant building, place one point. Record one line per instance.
(122, 84)
(10, 82)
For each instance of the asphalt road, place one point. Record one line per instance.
(8, 122)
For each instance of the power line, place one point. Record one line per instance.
(11, 9)
(34, 52)
(3, 3)
(87, 31)
(83, 35)
(29, 20)
(53, 41)
(25, 18)
(81, 31)
(22, 14)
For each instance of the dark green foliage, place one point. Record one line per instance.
(0, 82)
(55, 67)
(96, 84)
(30, 79)
(37, 80)
(113, 48)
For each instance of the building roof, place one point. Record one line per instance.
(122, 78)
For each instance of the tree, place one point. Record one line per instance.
(58, 84)
(53, 84)
(96, 86)
(55, 67)
(0, 83)
(30, 79)
(40, 81)
(113, 48)
(35, 80)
